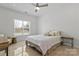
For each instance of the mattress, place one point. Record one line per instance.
(44, 42)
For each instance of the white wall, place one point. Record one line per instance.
(61, 17)
(7, 17)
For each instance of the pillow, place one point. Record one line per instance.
(57, 33)
(54, 33)
(51, 33)
(46, 34)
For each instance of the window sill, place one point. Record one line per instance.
(18, 34)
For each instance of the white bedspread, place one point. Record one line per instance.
(44, 42)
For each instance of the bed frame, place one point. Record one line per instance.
(30, 44)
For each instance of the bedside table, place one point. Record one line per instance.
(68, 38)
(12, 39)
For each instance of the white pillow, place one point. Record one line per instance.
(55, 33)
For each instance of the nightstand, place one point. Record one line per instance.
(12, 40)
(68, 38)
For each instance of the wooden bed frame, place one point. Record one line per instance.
(30, 44)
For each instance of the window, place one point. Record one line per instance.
(21, 27)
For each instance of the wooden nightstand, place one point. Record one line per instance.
(12, 40)
(68, 38)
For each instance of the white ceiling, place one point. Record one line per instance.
(21, 7)
(29, 8)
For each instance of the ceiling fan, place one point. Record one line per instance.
(38, 5)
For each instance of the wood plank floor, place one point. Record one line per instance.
(59, 51)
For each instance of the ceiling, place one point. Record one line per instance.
(29, 8)
(21, 7)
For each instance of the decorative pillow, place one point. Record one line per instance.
(57, 33)
(53, 33)
(47, 34)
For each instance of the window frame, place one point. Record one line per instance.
(22, 33)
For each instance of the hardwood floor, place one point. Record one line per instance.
(59, 51)
(65, 51)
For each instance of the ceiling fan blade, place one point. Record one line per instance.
(33, 4)
(43, 5)
(37, 4)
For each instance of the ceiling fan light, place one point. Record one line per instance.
(37, 8)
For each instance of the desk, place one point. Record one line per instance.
(68, 38)
(4, 45)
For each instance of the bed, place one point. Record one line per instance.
(43, 43)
